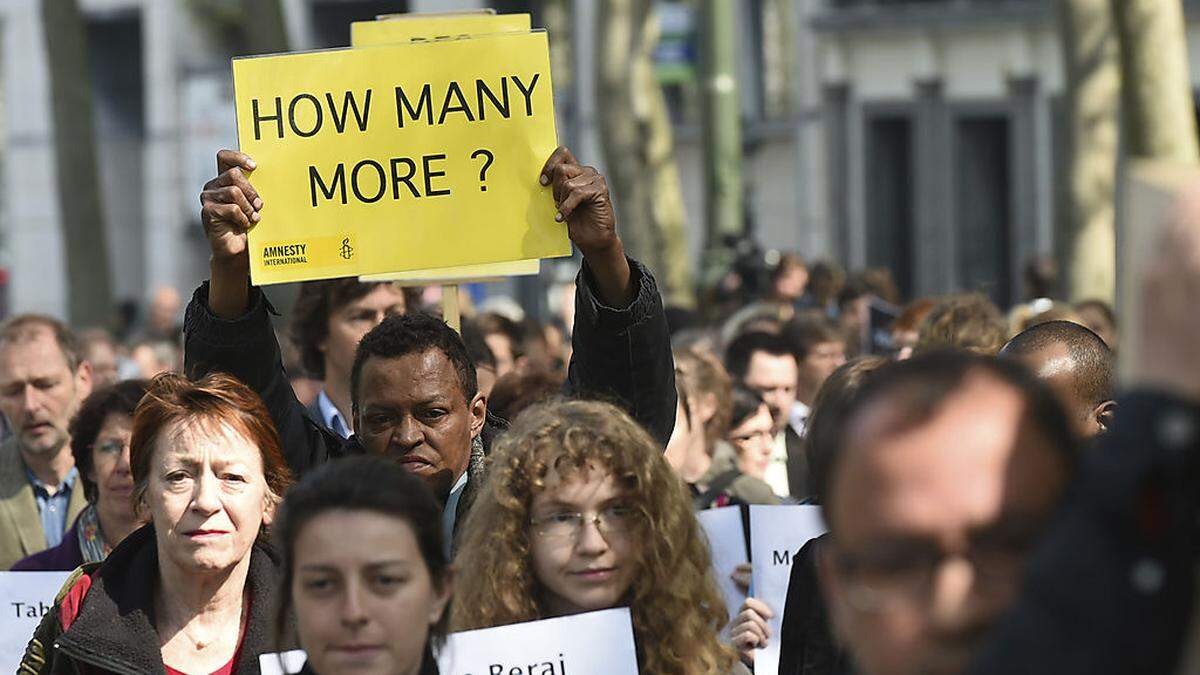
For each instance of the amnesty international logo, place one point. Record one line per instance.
(335, 255)
(288, 253)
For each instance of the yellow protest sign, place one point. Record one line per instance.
(463, 274)
(405, 157)
(433, 27)
(407, 27)
(450, 12)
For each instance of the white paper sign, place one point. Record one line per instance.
(777, 533)
(596, 643)
(24, 598)
(287, 663)
(727, 542)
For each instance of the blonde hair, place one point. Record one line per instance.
(968, 322)
(677, 610)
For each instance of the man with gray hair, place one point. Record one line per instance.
(42, 382)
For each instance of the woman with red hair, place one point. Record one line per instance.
(191, 591)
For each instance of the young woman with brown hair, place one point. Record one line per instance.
(582, 513)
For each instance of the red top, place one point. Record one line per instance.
(226, 669)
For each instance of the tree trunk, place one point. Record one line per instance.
(620, 23)
(779, 57)
(722, 129)
(661, 169)
(556, 17)
(266, 31)
(1093, 90)
(85, 241)
(1156, 95)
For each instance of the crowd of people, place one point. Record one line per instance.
(376, 480)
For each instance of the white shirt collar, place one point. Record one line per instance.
(331, 416)
(798, 418)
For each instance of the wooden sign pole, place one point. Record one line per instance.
(451, 311)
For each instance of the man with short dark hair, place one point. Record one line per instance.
(97, 347)
(481, 355)
(944, 474)
(1076, 364)
(764, 363)
(820, 349)
(42, 383)
(503, 336)
(328, 320)
(413, 386)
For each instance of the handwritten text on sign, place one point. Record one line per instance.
(777, 533)
(595, 643)
(25, 597)
(401, 157)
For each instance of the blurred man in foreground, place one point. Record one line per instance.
(1113, 588)
(947, 468)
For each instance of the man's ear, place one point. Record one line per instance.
(705, 407)
(1103, 414)
(478, 407)
(83, 379)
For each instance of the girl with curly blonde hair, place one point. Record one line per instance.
(580, 513)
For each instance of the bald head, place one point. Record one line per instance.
(1076, 363)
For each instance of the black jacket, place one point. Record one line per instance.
(1111, 589)
(113, 631)
(806, 642)
(620, 355)
(797, 464)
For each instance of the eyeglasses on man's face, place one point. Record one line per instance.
(894, 574)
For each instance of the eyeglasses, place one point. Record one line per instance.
(111, 447)
(765, 436)
(614, 519)
(903, 575)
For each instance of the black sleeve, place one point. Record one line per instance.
(624, 355)
(795, 611)
(807, 645)
(247, 349)
(1111, 588)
